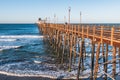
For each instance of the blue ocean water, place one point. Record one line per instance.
(14, 36)
(23, 52)
(21, 48)
(18, 29)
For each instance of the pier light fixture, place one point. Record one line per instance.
(69, 10)
(80, 17)
(54, 18)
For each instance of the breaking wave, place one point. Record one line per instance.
(8, 47)
(21, 36)
(7, 40)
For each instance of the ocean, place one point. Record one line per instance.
(21, 49)
(23, 53)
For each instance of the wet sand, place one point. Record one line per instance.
(7, 77)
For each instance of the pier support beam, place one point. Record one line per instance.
(70, 54)
(96, 63)
(63, 49)
(114, 62)
(119, 59)
(80, 58)
(74, 48)
(92, 59)
(106, 59)
(103, 55)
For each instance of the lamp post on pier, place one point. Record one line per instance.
(69, 10)
(54, 18)
(80, 17)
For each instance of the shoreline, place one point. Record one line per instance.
(20, 77)
(7, 74)
(8, 77)
(12, 76)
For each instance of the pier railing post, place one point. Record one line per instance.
(87, 31)
(94, 33)
(102, 29)
(82, 31)
(112, 35)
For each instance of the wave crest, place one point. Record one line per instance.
(22, 36)
(7, 40)
(7, 47)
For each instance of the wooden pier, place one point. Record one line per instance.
(64, 38)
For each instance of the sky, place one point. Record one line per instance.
(28, 11)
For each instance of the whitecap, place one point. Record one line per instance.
(21, 36)
(38, 62)
(7, 40)
(7, 47)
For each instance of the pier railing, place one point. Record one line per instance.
(109, 35)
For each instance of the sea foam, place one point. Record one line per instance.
(7, 47)
(7, 40)
(21, 36)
